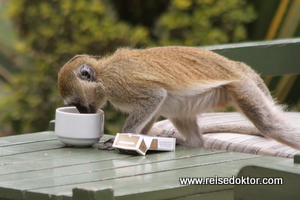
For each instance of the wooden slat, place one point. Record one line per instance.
(26, 138)
(128, 168)
(40, 167)
(79, 194)
(66, 168)
(160, 183)
(64, 163)
(50, 158)
(297, 159)
(29, 147)
(124, 171)
(269, 58)
(83, 163)
(288, 190)
(224, 195)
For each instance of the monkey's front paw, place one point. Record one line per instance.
(107, 145)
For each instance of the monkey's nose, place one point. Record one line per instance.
(86, 109)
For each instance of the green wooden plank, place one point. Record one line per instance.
(14, 194)
(59, 159)
(77, 159)
(269, 58)
(297, 159)
(74, 160)
(222, 170)
(54, 176)
(162, 183)
(288, 190)
(121, 173)
(58, 164)
(30, 147)
(43, 154)
(80, 194)
(223, 194)
(37, 143)
(27, 138)
(117, 168)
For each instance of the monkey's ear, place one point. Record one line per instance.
(86, 73)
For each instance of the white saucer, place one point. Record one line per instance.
(78, 142)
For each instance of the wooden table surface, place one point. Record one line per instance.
(38, 166)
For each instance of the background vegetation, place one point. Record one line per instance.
(51, 32)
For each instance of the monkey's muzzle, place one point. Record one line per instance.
(85, 109)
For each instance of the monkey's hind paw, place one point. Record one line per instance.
(107, 145)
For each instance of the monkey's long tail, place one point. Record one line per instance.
(230, 128)
(268, 118)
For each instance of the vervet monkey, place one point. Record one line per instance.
(178, 83)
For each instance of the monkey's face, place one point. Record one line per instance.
(77, 84)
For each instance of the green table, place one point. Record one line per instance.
(38, 166)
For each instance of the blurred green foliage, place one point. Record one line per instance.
(204, 22)
(51, 32)
(11, 61)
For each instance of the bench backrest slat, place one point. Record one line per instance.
(269, 58)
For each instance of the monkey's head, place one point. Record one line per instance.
(78, 86)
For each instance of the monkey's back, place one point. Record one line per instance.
(174, 68)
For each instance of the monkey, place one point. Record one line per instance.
(178, 83)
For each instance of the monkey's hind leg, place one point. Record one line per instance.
(189, 129)
(263, 112)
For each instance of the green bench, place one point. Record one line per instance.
(269, 58)
(38, 166)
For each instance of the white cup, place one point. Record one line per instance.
(76, 129)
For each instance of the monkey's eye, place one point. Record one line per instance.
(85, 72)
